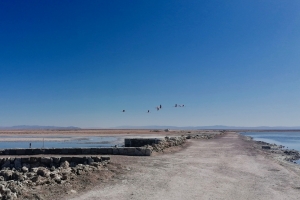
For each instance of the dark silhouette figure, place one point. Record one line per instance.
(123, 110)
(30, 145)
(160, 107)
(148, 111)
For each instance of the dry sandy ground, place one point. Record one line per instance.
(228, 167)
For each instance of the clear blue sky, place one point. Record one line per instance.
(80, 63)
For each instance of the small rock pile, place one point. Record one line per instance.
(166, 143)
(205, 135)
(292, 155)
(202, 136)
(17, 177)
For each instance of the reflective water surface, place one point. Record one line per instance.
(58, 141)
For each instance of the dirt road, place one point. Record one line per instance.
(224, 168)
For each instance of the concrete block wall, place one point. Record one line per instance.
(139, 142)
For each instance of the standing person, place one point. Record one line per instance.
(30, 145)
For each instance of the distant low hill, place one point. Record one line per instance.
(36, 127)
(216, 127)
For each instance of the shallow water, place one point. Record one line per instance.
(291, 140)
(58, 142)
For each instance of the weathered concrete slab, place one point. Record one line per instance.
(139, 142)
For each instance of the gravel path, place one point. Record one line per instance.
(224, 168)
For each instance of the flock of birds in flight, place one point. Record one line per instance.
(160, 107)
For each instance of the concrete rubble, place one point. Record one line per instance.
(166, 143)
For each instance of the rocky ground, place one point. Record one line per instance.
(27, 180)
(278, 152)
(75, 183)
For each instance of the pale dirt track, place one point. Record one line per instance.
(224, 168)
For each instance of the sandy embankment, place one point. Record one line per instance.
(228, 167)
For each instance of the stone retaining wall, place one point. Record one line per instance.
(32, 162)
(130, 151)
